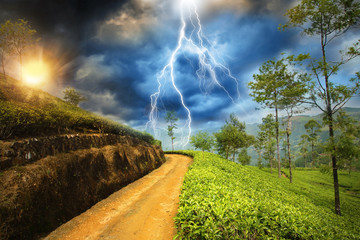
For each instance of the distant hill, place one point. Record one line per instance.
(298, 129)
(299, 121)
(30, 112)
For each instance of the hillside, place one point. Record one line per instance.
(298, 123)
(30, 112)
(224, 200)
(298, 129)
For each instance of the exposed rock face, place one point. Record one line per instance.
(38, 197)
(33, 149)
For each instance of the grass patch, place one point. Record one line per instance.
(224, 200)
(29, 112)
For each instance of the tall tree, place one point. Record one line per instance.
(224, 139)
(21, 36)
(171, 119)
(259, 148)
(329, 19)
(265, 90)
(347, 142)
(292, 96)
(267, 137)
(304, 148)
(232, 137)
(240, 138)
(244, 157)
(277, 87)
(312, 128)
(73, 97)
(202, 140)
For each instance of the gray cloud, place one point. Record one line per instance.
(129, 24)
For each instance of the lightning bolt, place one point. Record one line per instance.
(195, 42)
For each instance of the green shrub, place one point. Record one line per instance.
(326, 169)
(224, 200)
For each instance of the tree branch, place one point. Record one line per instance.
(341, 104)
(317, 76)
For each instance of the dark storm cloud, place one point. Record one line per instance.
(68, 23)
(115, 50)
(251, 7)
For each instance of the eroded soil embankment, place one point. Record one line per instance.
(142, 210)
(38, 197)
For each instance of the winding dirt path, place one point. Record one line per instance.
(142, 210)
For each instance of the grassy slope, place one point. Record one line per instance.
(29, 112)
(224, 200)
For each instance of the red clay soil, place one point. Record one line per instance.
(142, 210)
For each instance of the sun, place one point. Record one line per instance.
(35, 73)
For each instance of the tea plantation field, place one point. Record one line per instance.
(224, 200)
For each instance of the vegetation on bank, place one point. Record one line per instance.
(224, 200)
(25, 112)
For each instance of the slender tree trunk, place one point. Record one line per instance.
(227, 152)
(172, 144)
(289, 156)
(312, 152)
(331, 129)
(277, 140)
(234, 155)
(288, 146)
(334, 165)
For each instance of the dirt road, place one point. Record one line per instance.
(142, 210)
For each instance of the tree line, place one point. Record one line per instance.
(231, 141)
(314, 76)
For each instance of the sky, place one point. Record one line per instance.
(114, 52)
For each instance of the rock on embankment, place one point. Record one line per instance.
(37, 197)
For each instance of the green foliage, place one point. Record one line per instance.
(278, 87)
(312, 128)
(243, 157)
(171, 119)
(15, 37)
(20, 35)
(73, 97)
(203, 141)
(347, 141)
(232, 137)
(224, 200)
(317, 17)
(328, 20)
(265, 144)
(28, 112)
(326, 169)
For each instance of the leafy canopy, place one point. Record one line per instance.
(202, 140)
(73, 97)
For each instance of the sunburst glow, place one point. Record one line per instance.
(35, 73)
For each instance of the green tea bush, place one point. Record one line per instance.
(325, 169)
(224, 200)
(28, 112)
